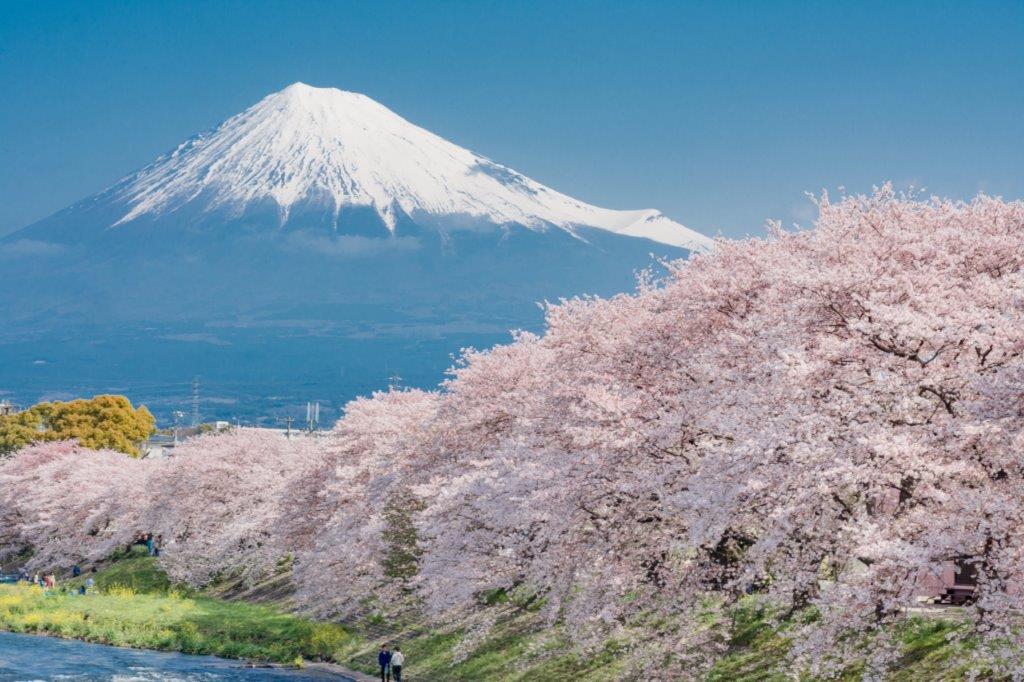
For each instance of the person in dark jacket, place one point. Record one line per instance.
(384, 661)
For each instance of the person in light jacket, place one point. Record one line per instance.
(397, 659)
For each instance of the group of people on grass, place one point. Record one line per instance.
(391, 663)
(49, 581)
(151, 542)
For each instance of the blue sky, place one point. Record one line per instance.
(721, 114)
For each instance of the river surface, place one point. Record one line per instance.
(25, 658)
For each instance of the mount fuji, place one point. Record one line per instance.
(304, 249)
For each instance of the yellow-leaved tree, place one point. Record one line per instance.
(106, 421)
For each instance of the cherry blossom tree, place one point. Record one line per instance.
(68, 504)
(376, 449)
(788, 414)
(216, 502)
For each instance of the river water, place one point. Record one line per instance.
(25, 658)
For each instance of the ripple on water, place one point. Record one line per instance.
(30, 658)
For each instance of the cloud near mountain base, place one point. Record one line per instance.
(350, 246)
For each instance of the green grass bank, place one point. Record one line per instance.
(135, 605)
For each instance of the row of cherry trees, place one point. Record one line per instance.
(825, 417)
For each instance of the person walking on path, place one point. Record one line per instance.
(384, 661)
(150, 544)
(397, 659)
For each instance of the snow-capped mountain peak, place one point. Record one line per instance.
(338, 150)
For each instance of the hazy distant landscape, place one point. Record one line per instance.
(157, 371)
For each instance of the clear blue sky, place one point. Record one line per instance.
(720, 114)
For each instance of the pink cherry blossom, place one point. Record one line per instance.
(827, 417)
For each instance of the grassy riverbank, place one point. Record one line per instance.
(134, 604)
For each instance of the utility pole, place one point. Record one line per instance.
(195, 401)
(288, 425)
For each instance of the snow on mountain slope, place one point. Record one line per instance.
(339, 150)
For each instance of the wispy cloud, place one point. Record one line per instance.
(211, 339)
(350, 245)
(30, 247)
